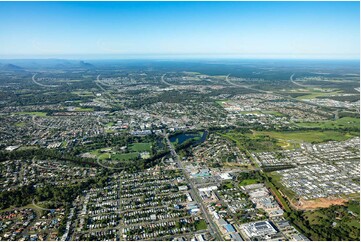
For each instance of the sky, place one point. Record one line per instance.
(327, 30)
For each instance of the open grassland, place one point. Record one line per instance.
(248, 142)
(141, 147)
(316, 94)
(346, 122)
(314, 136)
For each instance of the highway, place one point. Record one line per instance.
(296, 83)
(247, 87)
(42, 85)
(167, 83)
(213, 228)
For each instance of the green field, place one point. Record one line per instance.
(134, 149)
(201, 225)
(110, 124)
(141, 147)
(253, 142)
(346, 122)
(220, 102)
(248, 182)
(125, 156)
(79, 109)
(355, 208)
(20, 124)
(104, 156)
(315, 136)
(40, 114)
(316, 94)
(28, 147)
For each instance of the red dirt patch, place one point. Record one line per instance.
(318, 203)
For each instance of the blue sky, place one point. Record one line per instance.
(232, 29)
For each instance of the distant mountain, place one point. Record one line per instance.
(11, 67)
(86, 65)
(41, 64)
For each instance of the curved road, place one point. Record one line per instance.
(247, 87)
(39, 84)
(167, 83)
(296, 83)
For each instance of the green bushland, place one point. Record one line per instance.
(333, 223)
(252, 143)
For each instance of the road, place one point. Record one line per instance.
(296, 83)
(42, 85)
(110, 96)
(213, 228)
(247, 87)
(45, 209)
(167, 83)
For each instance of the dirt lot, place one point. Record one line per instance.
(318, 203)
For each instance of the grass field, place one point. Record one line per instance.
(220, 102)
(346, 122)
(248, 182)
(135, 149)
(40, 114)
(201, 225)
(110, 124)
(79, 109)
(27, 147)
(104, 156)
(252, 142)
(141, 147)
(307, 136)
(125, 156)
(20, 124)
(354, 207)
(316, 94)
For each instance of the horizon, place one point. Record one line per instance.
(127, 30)
(189, 58)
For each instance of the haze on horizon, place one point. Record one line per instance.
(326, 30)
